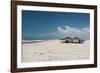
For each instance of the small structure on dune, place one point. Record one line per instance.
(72, 40)
(77, 40)
(67, 40)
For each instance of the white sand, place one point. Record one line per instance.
(54, 50)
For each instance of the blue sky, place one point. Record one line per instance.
(35, 23)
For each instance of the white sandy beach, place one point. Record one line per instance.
(54, 50)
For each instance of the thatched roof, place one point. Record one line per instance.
(67, 38)
(76, 38)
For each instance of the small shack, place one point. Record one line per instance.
(67, 40)
(76, 40)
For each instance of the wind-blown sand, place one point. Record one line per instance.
(54, 50)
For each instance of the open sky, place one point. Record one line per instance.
(51, 24)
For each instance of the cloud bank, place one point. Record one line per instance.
(74, 32)
(67, 31)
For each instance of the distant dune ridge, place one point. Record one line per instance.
(54, 50)
(31, 41)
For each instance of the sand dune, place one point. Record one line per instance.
(54, 50)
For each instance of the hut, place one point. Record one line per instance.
(67, 40)
(77, 40)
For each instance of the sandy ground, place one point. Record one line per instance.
(54, 50)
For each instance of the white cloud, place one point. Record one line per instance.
(82, 33)
(73, 32)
